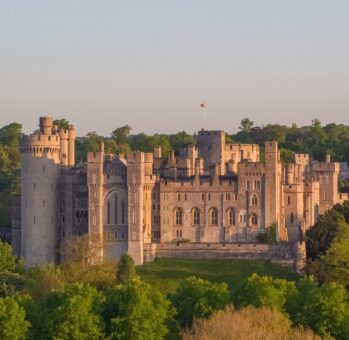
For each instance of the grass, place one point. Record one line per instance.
(166, 273)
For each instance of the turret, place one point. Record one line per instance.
(71, 145)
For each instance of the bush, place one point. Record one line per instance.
(126, 270)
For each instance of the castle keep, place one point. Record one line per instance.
(211, 194)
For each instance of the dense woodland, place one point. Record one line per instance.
(79, 300)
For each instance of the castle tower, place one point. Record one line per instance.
(40, 158)
(211, 145)
(273, 174)
(136, 169)
(95, 180)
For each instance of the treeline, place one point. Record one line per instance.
(78, 300)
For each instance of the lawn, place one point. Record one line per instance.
(166, 273)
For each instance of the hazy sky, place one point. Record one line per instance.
(102, 64)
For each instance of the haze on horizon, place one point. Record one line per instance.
(149, 64)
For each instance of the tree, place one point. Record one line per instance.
(196, 297)
(323, 308)
(121, 134)
(13, 324)
(61, 123)
(245, 125)
(245, 324)
(43, 279)
(264, 291)
(136, 311)
(7, 259)
(72, 314)
(126, 270)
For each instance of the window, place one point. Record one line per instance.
(116, 234)
(325, 196)
(254, 200)
(214, 216)
(292, 217)
(231, 216)
(209, 197)
(122, 212)
(123, 235)
(34, 186)
(254, 219)
(247, 185)
(185, 197)
(258, 185)
(288, 199)
(116, 209)
(196, 216)
(179, 217)
(108, 212)
(203, 197)
(179, 233)
(179, 197)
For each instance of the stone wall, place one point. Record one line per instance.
(277, 252)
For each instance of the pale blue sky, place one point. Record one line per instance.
(103, 64)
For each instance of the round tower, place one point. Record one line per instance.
(40, 158)
(63, 135)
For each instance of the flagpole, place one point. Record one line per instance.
(203, 106)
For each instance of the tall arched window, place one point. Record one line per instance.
(231, 217)
(254, 200)
(116, 209)
(258, 185)
(196, 216)
(214, 216)
(122, 212)
(254, 219)
(108, 212)
(248, 185)
(292, 217)
(179, 217)
(288, 199)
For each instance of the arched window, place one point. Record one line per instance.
(254, 200)
(248, 185)
(258, 185)
(196, 216)
(288, 199)
(292, 217)
(254, 219)
(116, 209)
(231, 217)
(108, 212)
(179, 217)
(122, 212)
(214, 216)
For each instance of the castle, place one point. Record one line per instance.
(212, 193)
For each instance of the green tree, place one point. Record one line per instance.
(126, 270)
(13, 324)
(136, 311)
(324, 308)
(121, 134)
(246, 125)
(72, 314)
(264, 291)
(8, 261)
(61, 123)
(196, 297)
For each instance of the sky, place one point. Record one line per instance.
(103, 64)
